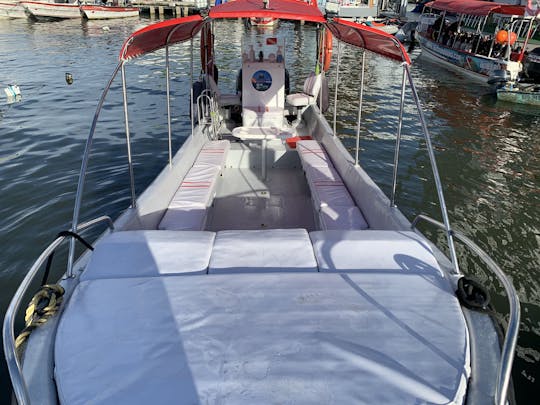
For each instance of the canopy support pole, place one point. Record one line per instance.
(167, 73)
(320, 65)
(429, 147)
(459, 27)
(336, 87)
(191, 89)
(128, 138)
(441, 27)
(398, 139)
(360, 107)
(82, 173)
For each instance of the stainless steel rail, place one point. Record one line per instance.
(510, 338)
(8, 331)
(84, 165)
(435, 170)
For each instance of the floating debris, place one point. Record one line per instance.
(105, 28)
(69, 78)
(13, 93)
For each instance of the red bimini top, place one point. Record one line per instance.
(284, 9)
(176, 30)
(475, 7)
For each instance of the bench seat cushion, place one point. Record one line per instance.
(312, 154)
(198, 187)
(262, 250)
(362, 251)
(278, 338)
(149, 253)
(337, 217)
(213, 153)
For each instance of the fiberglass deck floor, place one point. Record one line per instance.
(244, 201)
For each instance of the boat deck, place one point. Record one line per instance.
(245, 201)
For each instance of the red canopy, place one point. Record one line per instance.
(168, 32)
(475, 7)
(156, 36)
(285, 9)
(372, 39)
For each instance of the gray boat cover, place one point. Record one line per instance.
(394, 336)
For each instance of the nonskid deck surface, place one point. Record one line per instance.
(245, 201)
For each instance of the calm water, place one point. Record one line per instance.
(487, 151)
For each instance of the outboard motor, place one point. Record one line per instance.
(499, 77)
(531, 66)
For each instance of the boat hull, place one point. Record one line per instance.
(104, 13)
(519, 97)
(476, 66)
(41, 10)
(10, 10)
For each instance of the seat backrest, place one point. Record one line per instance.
(312, 85)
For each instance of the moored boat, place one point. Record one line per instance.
(99, 12)
(525, 90)
(11, 9)
(51, 10)
(262, 264)
(455, 33)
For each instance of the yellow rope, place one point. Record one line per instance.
(41, 307)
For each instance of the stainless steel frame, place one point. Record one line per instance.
(435, 170)
(398, 138)
(13, 363)
(359, 123)
(510, 339)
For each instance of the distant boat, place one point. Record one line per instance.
(526, 90)
(49, 10)
(475, 37)
(98, 12)
(11, 9)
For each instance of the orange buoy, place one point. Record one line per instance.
(325, 53)
(502, 37)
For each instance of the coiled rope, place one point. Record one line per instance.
(44, 304)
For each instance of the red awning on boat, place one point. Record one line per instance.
(285, 9)
(156, 36)
(372, 39)
(475, 7)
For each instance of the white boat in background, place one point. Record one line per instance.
(11, 9)
(40, 10)
(98, 12)
(263, 264)
(454, 33)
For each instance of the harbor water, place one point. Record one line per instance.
(488, 151)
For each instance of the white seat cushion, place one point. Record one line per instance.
(198, 187)
(149, 253)
(262, 250)
(362, 251)
(302, 338)
(213, 153)
(312, 154)
(322, 174)
(336, 217)
(300, 99)
(333, 195)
